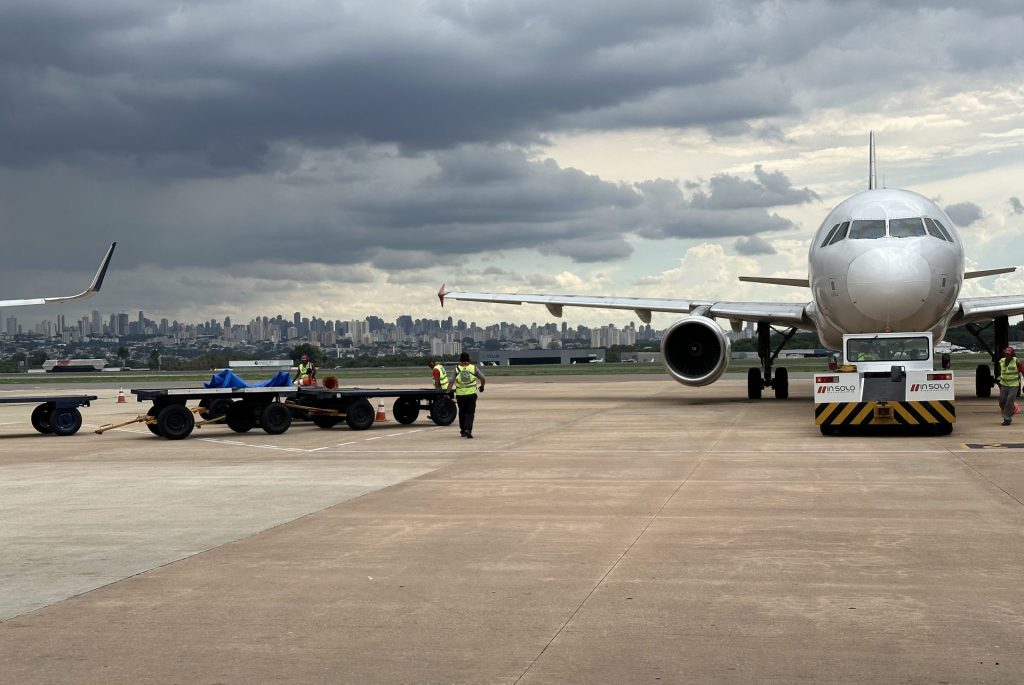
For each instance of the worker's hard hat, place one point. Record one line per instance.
(305, 358)
(1009, 350)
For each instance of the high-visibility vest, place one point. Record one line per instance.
(305, 368)
(1008, 374)
(465, 379)
(443, 377)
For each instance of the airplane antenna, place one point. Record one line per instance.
(871, 161)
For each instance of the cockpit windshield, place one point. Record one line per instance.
(906, 228)
(867, 228)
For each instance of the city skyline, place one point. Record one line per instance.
(296, 326)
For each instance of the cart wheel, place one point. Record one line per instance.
(781, 384)
(275, 418)
(829, 430)
(65, 421)
(325, 421)
(443, 411)
(943, 428)
(406, 409)
(41, 419)
(152, 426)
(215, 408)
(240, 417)
(754, 383)
(175, 421)
(359, 414)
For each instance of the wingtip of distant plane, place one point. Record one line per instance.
(441, 292)
(101, 273)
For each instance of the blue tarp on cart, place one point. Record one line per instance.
(228, 379)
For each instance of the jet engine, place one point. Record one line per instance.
(695, 350)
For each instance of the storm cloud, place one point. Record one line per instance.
(963, 214)
(754, 245)
(336, 142)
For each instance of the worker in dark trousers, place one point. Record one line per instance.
(1009, 369)
(464, 380)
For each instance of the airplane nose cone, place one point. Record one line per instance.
(889, 284)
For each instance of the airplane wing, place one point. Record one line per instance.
(93, 288)
(770, 280)
(969, 309)
(788, 314)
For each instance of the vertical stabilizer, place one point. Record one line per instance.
(871, 161)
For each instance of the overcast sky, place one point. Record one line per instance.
(344, 158)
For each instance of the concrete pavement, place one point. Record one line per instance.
(617, 531)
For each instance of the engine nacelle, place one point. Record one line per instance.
(695, 350)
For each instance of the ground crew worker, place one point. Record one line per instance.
(306, 370)
(464, 381)
(440, 375)
(1010, 369)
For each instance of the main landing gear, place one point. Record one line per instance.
(758, 379)
(983, 374)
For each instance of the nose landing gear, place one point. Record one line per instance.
(758, 379)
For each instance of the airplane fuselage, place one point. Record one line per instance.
(884, 260)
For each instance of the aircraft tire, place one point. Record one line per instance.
(65, 421)
(983, 381)
(781, 384)
(753, 384)
(41, 419)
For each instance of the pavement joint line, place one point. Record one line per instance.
(650, 522)
(960, 458)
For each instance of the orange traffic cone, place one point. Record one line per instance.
(381, 416)
(120, 396)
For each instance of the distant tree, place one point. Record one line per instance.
(315, 354)
(492, 345)
(36, 359)
(154, 359)
(468, 343)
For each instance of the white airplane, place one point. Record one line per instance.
(883, 260)
(93, 288)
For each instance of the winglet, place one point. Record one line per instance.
(441, 292)
(97, 280)
(101, 273)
